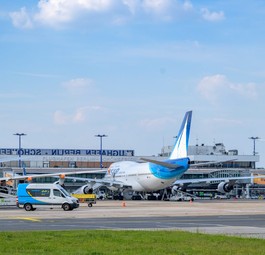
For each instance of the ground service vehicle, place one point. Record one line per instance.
(90, 199)
(8, 200)
(32, 195)
(181, 196)
(7, 196)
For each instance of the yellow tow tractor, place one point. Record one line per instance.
(90, 199)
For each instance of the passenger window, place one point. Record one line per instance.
(39, 192)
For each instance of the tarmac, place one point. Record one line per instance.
(230, 217)
(117, 208)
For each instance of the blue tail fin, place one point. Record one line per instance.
(180, 149)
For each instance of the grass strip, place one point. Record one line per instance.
(99, 242)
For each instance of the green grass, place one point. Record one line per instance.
(99, 242)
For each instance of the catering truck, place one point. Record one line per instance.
(32, 195)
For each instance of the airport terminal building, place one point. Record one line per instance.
(91, 158)
(38, 160)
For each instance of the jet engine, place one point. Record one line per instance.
(225, 187)
(86, 189)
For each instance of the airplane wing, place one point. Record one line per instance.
(208, 180)
(161, 163)
(211, 163)
(100, 182)
(174, 166)
(60, 174)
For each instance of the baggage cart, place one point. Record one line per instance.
(90, 199)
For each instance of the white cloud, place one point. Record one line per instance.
(80, 115)
(78, 83)
(56, 13)
(78, 90)
(157, 6)
(212, 16)
(162, 8)
(132, 5)
(248, 90)
(79, 87)
(157, 123)
(187, 5)
(21, 19)
(60, 118)
(53, 12)
(211, 87)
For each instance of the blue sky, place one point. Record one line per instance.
(130, 69)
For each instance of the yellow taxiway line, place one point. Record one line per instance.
(27, 218)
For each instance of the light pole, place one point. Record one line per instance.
(254, 146)
(101, 136)
(254, 143)
(19, 147)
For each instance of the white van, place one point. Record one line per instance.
(41, 194)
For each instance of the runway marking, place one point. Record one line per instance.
(29, 219)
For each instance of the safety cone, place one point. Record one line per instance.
(123, 204)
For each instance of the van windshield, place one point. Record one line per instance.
(65, 192)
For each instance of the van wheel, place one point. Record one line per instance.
(90, 205)
(66, 207)
(28, 207)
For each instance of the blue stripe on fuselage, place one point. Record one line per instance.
(162, 172)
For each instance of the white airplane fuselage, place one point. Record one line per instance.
(138, 176)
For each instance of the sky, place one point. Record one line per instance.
(130, 69)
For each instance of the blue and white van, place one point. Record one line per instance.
(32, 195)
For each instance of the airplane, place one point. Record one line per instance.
(153, 175)
(149, 176)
